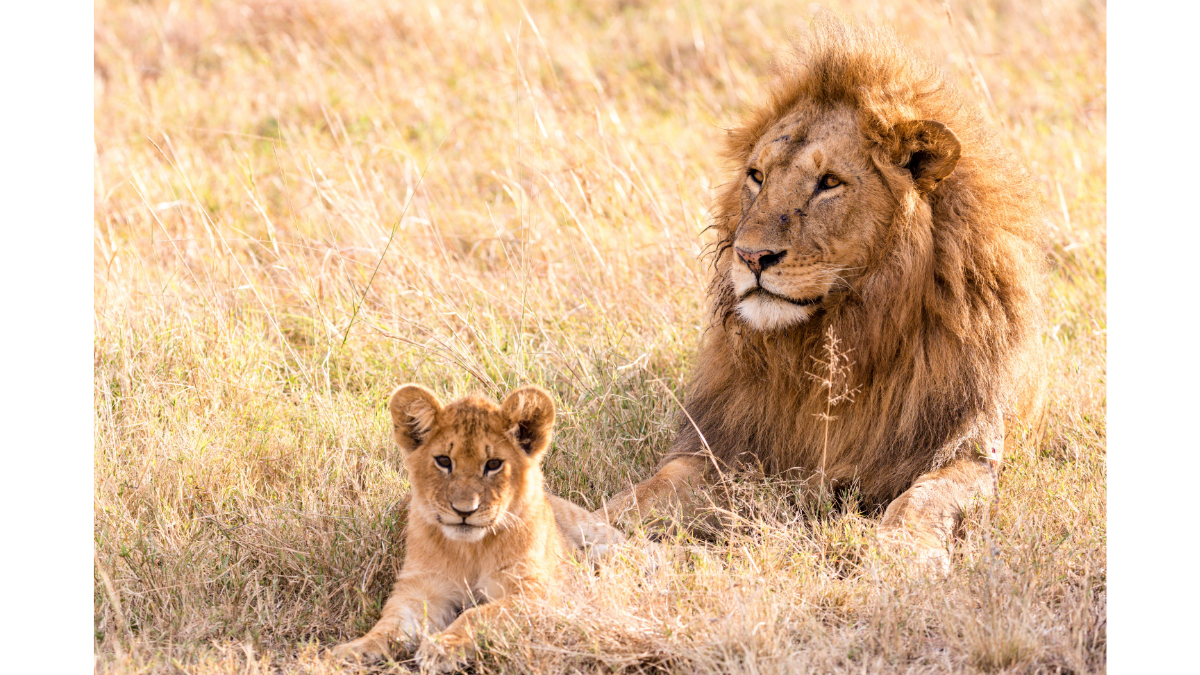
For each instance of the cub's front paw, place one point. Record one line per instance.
(366, 649)
(620, 512)
(600, 539)
(445, 653)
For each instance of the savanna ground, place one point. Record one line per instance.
(301, 203)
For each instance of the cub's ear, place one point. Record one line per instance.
(530, 411)
(414, 410)
(928, 149)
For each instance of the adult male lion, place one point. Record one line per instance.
(869, 198)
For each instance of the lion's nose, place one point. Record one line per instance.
(758, 261)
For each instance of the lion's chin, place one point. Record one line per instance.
(768, 313)
(465, 533)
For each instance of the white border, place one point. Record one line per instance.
(46, 340)
(1154, 256)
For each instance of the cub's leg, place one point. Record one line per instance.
(583, 530)
(454, 647)
(420, 603)
(670, 491)
(923, 518)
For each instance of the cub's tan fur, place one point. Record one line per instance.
(868, 197)
(481, 528)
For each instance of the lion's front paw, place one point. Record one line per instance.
(936, 559)
(445, 653)
(366, 649)
(920, 552)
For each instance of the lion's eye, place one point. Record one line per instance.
(493, 464)
(442, 461)
(829, 181)
(756, 176)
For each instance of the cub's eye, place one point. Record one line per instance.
(493, 464)
(442, 461)
(828, 181)
(756, 176)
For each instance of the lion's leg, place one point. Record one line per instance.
(419, 602)
(671, 492)
(922, 520)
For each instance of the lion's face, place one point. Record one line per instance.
(472, 463)
(812, 203)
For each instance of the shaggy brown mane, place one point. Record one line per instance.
(942, 323)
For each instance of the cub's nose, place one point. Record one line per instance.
(465, 507)
(760, 260)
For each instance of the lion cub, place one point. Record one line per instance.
(481, 528)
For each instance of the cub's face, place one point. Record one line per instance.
(814, 204)
(472, 463)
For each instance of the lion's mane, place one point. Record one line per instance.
(941, 326)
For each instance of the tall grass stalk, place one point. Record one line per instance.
(833, 377)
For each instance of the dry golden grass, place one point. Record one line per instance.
(301, 203)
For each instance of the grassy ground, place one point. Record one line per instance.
(301, 203)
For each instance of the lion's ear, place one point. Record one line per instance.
(530, 411)
(928, 150)
(414, 411)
